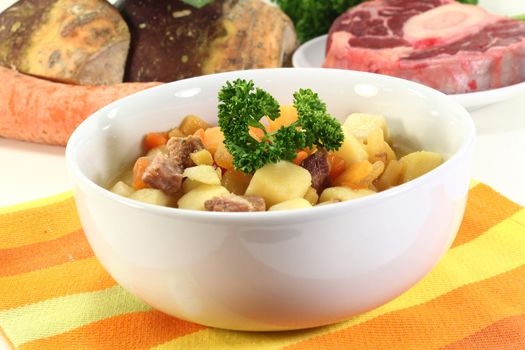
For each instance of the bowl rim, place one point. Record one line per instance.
(274, 217)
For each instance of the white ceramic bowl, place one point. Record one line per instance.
(274, 270)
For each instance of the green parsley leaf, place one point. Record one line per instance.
(242, 105)
(197, 3)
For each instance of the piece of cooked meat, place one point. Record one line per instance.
(164, 174)
(180, 148)
(235, 203)
(317, 165)
(165, 170)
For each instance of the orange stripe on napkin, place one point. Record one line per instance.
(483, 211)
(40, 224)
(44, 254)
(506, 334)
(140, 330)
(74, 277)
(450, 317)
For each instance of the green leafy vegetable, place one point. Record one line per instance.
(519, 17)
(241, 105)
(314, 17)
(197, 3)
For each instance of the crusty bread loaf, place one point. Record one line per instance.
(172, 40)
(75, 41)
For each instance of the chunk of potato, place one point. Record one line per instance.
(279, 182)
(297, 203)
(127, 177)
(418, 163)
(352, 151)
(332, 201)
(377, 169)
(218, 170)
(376, 146)
(391, 176)
(311, 196)
(202, 157)
(192, 123)
(341, 194)
(189, 185)
(175, 132)
(236, 181)
(390, 154)
(205, 174)
(195, 198)
(154, 151)
(360, 125)
(153, 196)
(123, 189)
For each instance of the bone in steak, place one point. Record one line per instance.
(452, 47)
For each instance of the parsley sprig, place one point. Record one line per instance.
(242, 105)
(197, 3)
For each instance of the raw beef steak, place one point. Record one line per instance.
(449, 46)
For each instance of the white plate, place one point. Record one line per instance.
(311, 54)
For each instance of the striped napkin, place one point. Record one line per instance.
(55, 295)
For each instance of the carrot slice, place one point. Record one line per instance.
(155, 139)
(301, 155)
(360, 175)
(288, 116)
(337, 166)
(200, 134)
(223, 158)
(353, 176)
(212, 138)
(138, 171)
(256, 133)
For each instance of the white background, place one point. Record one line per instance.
(29, 171)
